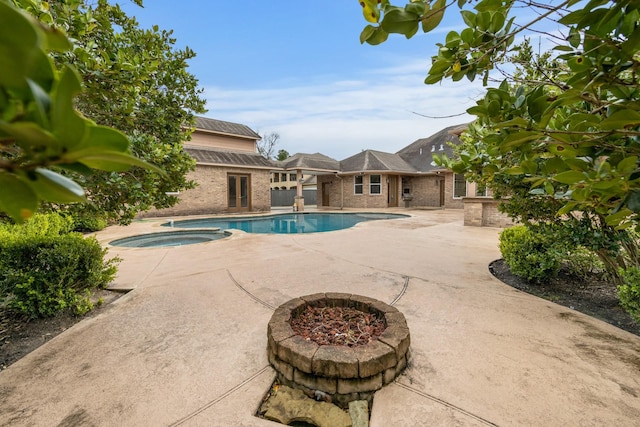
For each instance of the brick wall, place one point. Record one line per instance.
(424, 189)
(342, 194)
(210, 196)
(483, 212)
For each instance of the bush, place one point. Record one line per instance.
(583, 262)
(43, 272)
(629, 292)
(530, 254)
(87, 222)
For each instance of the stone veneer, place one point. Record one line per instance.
(343, 373)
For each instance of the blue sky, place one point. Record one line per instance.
(297, 68)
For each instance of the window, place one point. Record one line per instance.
(284, 177)
(459, 186)
(292, 177)
(276, 177)
(375, 184)
(481, 191)
(357, 184)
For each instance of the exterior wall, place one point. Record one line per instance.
(226, 142)
(210, 196)
(424, 190)
(341, 192)
(451, 202)
(483, 212)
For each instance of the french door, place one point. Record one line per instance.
(239, 192)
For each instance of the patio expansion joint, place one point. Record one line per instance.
(402, 291)
(445, 403)
(252, 296)
(221, 397)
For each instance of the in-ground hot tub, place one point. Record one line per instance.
(170, 238)
(342, 373)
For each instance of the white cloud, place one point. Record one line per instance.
(341, 117)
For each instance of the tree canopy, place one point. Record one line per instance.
(40, 130)
(572, 133)
(134, 80)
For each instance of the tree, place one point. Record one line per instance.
(39, 129)
(570, 135)
(282, 155)
(266, 146)
(134, 81)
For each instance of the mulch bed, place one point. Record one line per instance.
(591, 294)
(344, 326)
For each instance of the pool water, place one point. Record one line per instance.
(169, 238)
(292, 223)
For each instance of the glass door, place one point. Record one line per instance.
(239, 192)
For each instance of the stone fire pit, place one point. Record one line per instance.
(338, 373)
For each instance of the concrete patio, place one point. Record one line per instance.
(187, 346)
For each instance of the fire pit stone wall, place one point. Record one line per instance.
(339, 373)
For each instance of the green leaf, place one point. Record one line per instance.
(519, 138)
(367, 33)
(401, 22)
(621, 120)
(569, 177)
(379, 36)
(633, 201)
(627, 165)
(433, 18)
(20, 43)
(114, 161)
(106, 138)
(53, 187)
(468, 17)
(574, 37)
(66, 123)
(20, 202)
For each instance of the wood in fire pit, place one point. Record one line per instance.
(344, 326)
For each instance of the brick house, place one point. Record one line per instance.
(231, 175)
(408, 178)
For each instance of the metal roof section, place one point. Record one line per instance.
(227, 128)
(419, 154)
(219, 157)
(310, 162)
(375, 161)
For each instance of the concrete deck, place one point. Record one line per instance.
(188, 345)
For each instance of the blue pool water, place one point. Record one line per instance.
(292, 223)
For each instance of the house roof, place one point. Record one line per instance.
(311, 162)
(419, 154)
(228, 128)
(220, 157)
(378, 161)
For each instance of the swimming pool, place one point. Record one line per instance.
(292, 223)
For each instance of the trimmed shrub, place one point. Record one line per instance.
(530, 254)
(629, 292)
(87, 222)
(43, 272)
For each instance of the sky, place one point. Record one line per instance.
(297, 68)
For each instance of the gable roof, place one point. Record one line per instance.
(311, 162)
(220, 157)
(228, 128)
(419, 154)
(375, 161)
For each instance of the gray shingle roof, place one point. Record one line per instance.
(213, 125)
(419, 154)
(316, 161)
(379, 161)
(230, 158)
